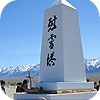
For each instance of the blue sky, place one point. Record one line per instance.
(21, 26)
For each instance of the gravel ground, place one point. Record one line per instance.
(10, 90)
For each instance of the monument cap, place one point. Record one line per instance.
(56, 2)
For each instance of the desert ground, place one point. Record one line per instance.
(10, 90)
(94, 77)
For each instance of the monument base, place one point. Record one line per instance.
(65, 85)
(64, 96)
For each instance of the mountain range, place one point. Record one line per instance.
(20, 71)
(91, 66)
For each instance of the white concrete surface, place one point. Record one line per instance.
(65, 85)
(69, 65)
(72, 96)
(56, 2)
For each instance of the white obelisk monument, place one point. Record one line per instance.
(62, 65)
(61, 38)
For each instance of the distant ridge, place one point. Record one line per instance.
(91, 65)
(20, 71)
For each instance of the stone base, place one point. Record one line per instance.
(65, 85)
(65, 96)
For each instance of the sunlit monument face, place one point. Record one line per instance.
(61, 52)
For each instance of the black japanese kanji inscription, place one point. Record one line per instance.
(51, 41)
(52, 24)
(51, 59)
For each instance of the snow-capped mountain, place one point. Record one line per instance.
(20, 71)
(91, 65)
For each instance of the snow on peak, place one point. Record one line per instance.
(92, 62)
(91, 65)
(19, 70)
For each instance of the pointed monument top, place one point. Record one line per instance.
(56, 2)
